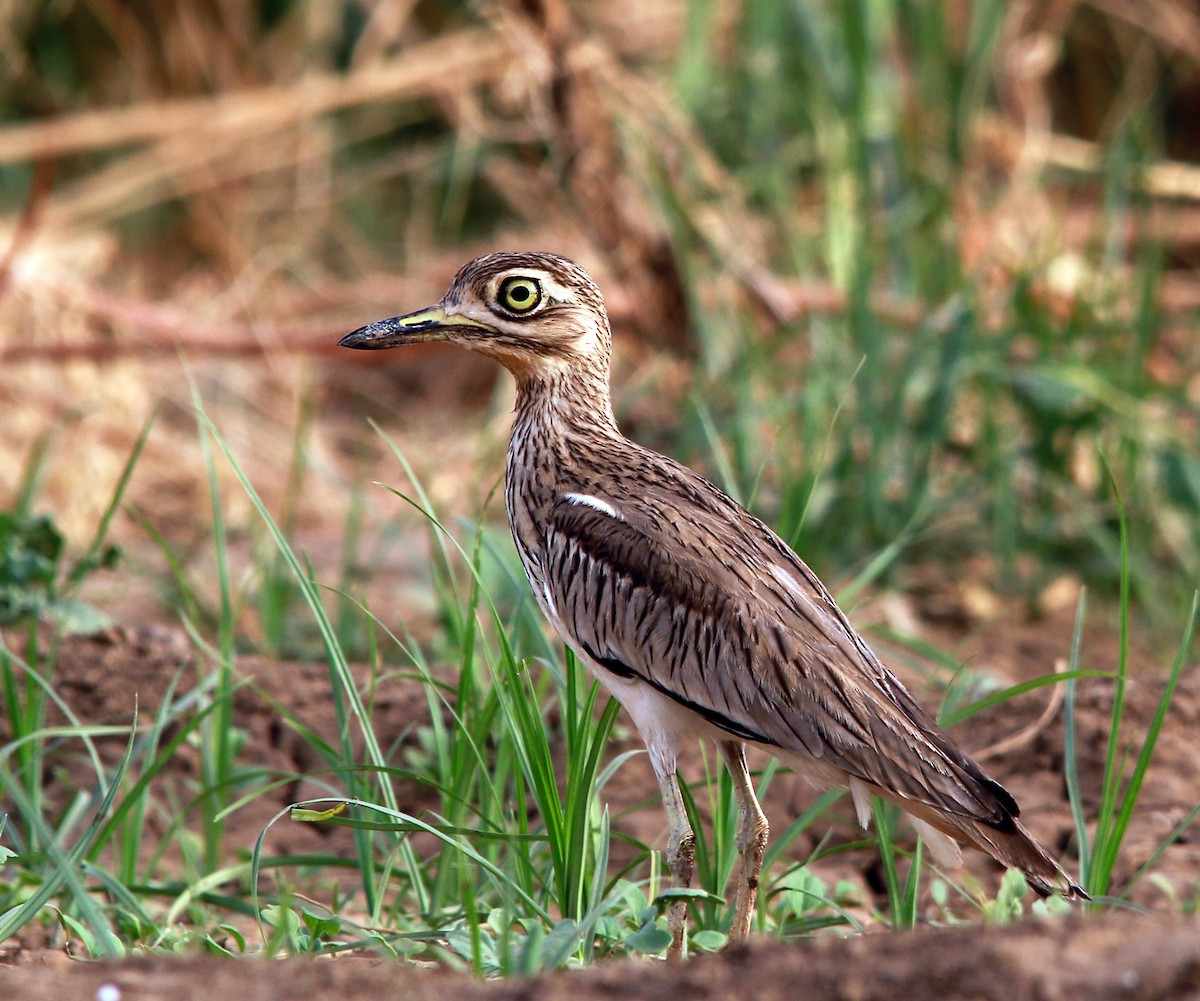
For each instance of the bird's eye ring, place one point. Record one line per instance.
(520, 295)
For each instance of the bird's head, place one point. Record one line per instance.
(531, 312)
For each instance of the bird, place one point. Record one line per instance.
(696, 616)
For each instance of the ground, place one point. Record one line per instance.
(1118, 954)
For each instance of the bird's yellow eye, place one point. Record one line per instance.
(520, 295)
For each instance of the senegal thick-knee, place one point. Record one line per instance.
(693, 613)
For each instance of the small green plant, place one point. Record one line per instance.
(804, 903)
(6, 854)
(36, 583)
(36, 580)
(1007, 905)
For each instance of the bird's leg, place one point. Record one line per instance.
(681, 848)
(752, 832)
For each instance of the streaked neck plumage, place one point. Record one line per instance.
(564, 426)
(565, 401)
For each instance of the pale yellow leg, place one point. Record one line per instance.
(752, 833)
(680, 853)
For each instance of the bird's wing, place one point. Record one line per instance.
(697, 598)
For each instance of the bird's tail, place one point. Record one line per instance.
(1009, 843)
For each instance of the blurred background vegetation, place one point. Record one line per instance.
(901, 275)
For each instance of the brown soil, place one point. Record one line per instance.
(1119, 954)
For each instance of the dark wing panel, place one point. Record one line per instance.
(735, 627)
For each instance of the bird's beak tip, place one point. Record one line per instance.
(424, 325)
(432, 324)
(354, 339)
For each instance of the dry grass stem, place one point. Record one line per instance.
(463, 59)
(1023, 738)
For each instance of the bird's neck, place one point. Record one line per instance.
(564, 421)
(565, 403)
(564, 425)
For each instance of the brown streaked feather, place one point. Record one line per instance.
(677, 592)
(702, 621)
